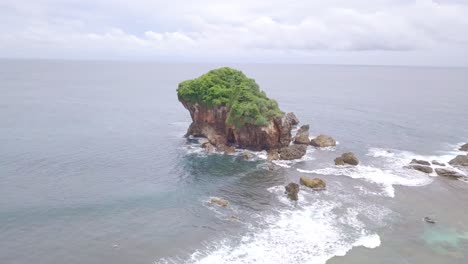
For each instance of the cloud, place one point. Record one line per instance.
(212, 28)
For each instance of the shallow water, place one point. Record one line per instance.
(94, 168)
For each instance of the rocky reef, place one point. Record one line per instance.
(229, 110)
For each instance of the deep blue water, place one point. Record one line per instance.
(94, 167)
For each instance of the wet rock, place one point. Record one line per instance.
(292, 152)
(435, 162)
(208, 147)
(460, 160)
(247, 155)
(429, 220)
(219, 201)
(302, 135)
(323, 141)
(273, 154)
(421, 168)
(227, 149)
(464, 147)
(316, 183)
(420, 162)
(448, 173)
(292, 190)
(347, 158)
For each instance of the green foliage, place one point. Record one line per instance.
(231, 88)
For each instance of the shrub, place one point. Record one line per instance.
(245, 102)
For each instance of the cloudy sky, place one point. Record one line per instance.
(407, 32)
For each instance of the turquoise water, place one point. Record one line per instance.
(94, 168)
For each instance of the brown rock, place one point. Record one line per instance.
(460, 160)
(420, 162)
(464, 147)
(302, 135)
(448, 173)
(292, 190)
(247, 155)
(316, 183)
(339, 161)
(347, 158)
(227, 149)
(219, 201)
(292, 152)
(323, 141)
(421, 168)
(273, 154)
(208, 146)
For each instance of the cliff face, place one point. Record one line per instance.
(210, 122)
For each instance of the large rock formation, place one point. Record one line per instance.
(292, 152)
(448, 173)
(323, 141)
(228, 109)
(302, 135)
(464, 147)
(421, 168)
(420, 162)
(347, 158)
(460, 160)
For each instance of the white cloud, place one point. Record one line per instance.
(104, 28)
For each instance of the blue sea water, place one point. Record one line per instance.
(94, 168)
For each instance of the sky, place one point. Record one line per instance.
(396, 32)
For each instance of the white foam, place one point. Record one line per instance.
(289, 163)
(370, 241)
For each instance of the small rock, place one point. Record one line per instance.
(435, 162)
(421, 168)
(448, 173)
(292, 189)
(420, 162)
(292, 152)
(227, 149)
(429, 220)
(302, 135)
(219, 201)
(460, 160)
(323, 141)
(316, 183)
(347, 158)
(464, 147)
(247, 155)
(272, 154)
(208, 146)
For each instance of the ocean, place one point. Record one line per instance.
(94, 168)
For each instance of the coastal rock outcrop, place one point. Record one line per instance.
(464, 147)
(460, 160)
(292, 152)
(292, 190)
(229, 109)
(323, 141)
(347, 158)
(315, 183)
(421, 168)
(420, 162)
(448, 173)
(302, 135)
(438, 163)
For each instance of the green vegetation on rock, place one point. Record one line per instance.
(245, 102)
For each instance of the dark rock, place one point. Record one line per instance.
(316, 183)
(347, 158)
(448, 173)
(460, 160)
(421, 168)
(429, 220)
(464, 147)
(292, 152)
(219, 201)
(323, 141)
(302, 135)
(420, 162)
(435, 162)
(292, 189)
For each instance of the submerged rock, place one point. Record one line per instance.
(429, 220)
(448, 173)
(435, 162)
(292, 152)
(219, 201)
(420, 162)
(292, 190)
(247, 155)
(464, 147)
(302, 135)
(460, 160)
(421, 168)
(323, 141)
(316, 183)
(347, 158)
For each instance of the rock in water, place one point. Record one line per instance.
(228, 108)
(347, 158)
(247, 155)
(208, 146)
(448, 173)
(219, 201)
(421, 168)
(435, 162)
(302, 135)
(420, 162)
(316, 183)
(460, 160)
(429, 220)
(292, 152)
(464, 147)
(292, 189)
(323, 141)
(228, 150)
(273, 154)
